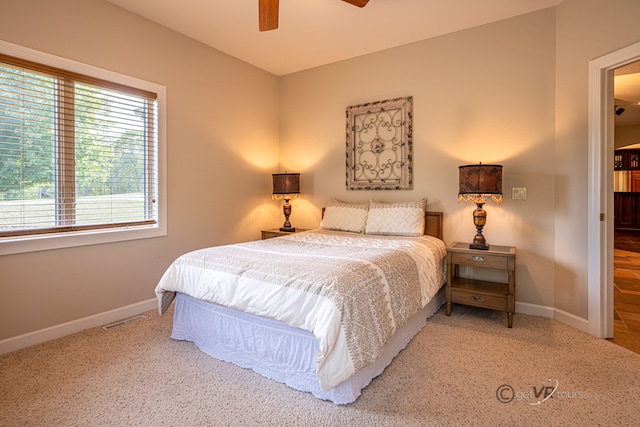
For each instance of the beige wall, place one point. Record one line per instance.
(222, 147)
(485, 94)
(513, 92)
(627, 135)
(586, 30)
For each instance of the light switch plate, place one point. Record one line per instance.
(519, 193)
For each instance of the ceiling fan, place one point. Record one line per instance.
(268, 12)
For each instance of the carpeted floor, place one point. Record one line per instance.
(467, 369)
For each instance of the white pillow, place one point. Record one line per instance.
(396, 219)
(341, 216)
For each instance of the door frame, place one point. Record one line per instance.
(600, 182)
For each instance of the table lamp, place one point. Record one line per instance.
(286, 186)
(478, 183)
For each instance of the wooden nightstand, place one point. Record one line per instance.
(275, 232)
(482, 293)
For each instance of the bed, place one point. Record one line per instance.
(323, 311)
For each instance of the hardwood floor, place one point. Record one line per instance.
(626, 277)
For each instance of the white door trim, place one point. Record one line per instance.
(600, 200)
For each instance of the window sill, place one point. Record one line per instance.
(44, 242)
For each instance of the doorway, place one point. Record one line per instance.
(600, 211)
(626, 204)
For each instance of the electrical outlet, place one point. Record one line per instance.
(519, 193)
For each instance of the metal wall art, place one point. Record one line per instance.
(379, 145)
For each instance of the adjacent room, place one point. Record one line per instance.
(175, 130)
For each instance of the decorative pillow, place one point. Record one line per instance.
(341, 216)
(396, 219)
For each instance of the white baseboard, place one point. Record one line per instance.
(32, 338)
(534, 310)
(47, 334)
(553, 313)
(573, 320)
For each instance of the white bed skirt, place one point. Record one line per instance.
(278, 351)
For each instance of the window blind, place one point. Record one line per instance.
(76, 152)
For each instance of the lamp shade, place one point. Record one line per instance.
(286, 186)
(478, 181)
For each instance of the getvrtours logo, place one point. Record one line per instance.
(539, 393)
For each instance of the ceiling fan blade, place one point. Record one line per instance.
(268, 14)
(359, 3)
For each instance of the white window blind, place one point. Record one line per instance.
(76, 152)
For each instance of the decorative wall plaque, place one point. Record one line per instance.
(379, 145)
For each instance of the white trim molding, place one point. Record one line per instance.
(534, 310)
(553, 313)
(600, 180)
(58, 331)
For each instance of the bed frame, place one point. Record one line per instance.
(433, 224)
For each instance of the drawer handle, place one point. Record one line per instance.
(477, 299)
(477, 258)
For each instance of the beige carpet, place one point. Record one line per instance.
(135, 375)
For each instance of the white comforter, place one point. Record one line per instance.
(351, 291)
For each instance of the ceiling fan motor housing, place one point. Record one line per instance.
(268, 12)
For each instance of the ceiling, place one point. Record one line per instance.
(318, 32)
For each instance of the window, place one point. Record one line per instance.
(79, 155)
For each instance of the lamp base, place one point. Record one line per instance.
(289, 229)
(479, 241)
(481, 247)
(479, 220)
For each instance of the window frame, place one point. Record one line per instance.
(111, 234)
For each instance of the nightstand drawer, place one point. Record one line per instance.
(482, 260)
(476, 299)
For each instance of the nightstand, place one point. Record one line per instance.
(476, 292)
(275, 232)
